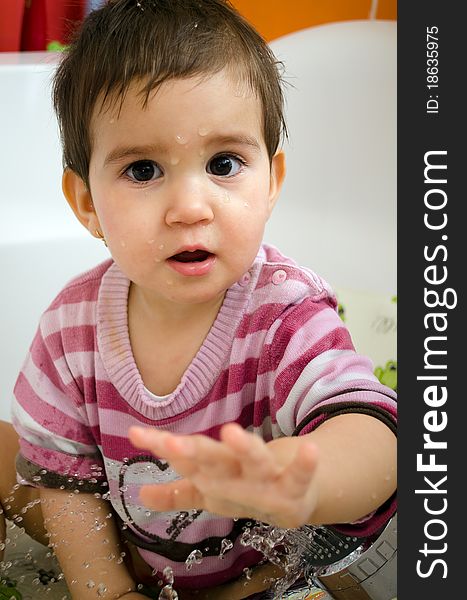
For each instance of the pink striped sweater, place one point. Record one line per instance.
(278, 360)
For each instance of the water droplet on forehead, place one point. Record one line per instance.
(175, 159)
(101, 589)
(202, 131)
(180, 139)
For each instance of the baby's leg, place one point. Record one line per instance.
(13, 500)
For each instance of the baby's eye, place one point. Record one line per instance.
(143, 170)
(224, 165)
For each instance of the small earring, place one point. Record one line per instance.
(101, 237)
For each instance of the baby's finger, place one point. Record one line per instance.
(173, 496)
(187, 454)
(148, 438)
(297, 477)
(252, 452)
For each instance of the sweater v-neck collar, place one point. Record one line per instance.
(117, 356)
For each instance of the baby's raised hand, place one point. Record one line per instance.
(239, 476)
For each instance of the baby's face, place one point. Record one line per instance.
(183, 187)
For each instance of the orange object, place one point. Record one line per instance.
(274, 18)
(11, 19)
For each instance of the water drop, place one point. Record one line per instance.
(101, 589)
(168, 593)
(168, 575)
(90, 584)
(180, 139)
(226, 545)
(203, 131)
(195, 557)
(175, 159)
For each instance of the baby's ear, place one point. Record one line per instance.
(79, 198)
(276, 178)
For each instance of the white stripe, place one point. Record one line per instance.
(49, 393)
(37, 435)
(251, 346)
(294, 290)
(84, 363)
(311, 387)
(78, 313)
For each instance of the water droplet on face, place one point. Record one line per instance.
(175, 159)
(226, 198)
(101, 589)
(161, 247)
(246, 205)
(90, 584)
(151, 242)
(202, 131)
(180, 139)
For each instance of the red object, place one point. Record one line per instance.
(62, 18)
(11, 19)
(34, 33)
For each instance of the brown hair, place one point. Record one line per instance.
(154, 41)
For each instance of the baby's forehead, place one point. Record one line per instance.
(221, 105)
(226, 87)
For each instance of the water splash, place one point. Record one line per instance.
(194, 558)
(167, 592)
(226, 545)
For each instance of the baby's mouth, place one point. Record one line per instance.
(188, 256)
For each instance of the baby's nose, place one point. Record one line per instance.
(189, 203)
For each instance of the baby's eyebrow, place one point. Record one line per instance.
(123, 152)
(242, 140)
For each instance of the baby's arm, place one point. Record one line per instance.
(86, 542)
(340, 472)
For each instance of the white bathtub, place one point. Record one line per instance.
(336, 213)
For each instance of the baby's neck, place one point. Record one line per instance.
(164, 342)
(167, 315)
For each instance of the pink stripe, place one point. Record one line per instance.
(64, 464)
(41, 358)
(83, 287)
(74, 339)
(212, 571)
(50, 417)
(259, 320)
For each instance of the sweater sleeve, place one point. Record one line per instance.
(319, 375)
(57, 446)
